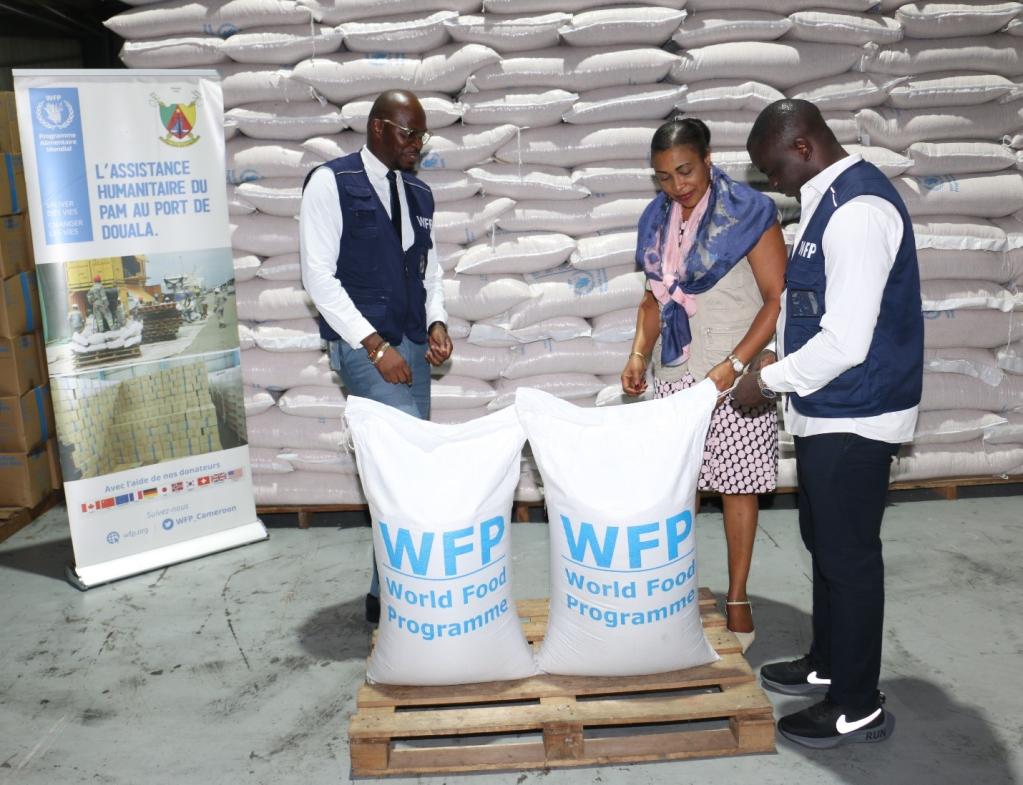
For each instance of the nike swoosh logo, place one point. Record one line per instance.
(844, 727)
(814, 679)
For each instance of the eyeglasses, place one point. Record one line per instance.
(410, 133)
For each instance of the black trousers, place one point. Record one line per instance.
(843, 485)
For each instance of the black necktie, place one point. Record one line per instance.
(392, 179)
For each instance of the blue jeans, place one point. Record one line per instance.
(362, 378)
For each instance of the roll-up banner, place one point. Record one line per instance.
(128, 205)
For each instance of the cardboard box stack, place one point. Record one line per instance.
(27, 448)
(116, 425)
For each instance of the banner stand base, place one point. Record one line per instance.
(84, 578)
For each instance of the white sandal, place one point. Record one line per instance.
(745, 638)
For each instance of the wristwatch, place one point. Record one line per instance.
(737, 365)
(765, 391)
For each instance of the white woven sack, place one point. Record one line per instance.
(984, 195)
(333, 12)
(328, 148)
(527, 182)
(245, 339)
(257, 401)
(462, 147)
(275, 429)
(308, 459)
(1010, 358)
(530, 6)
(721, 26)
(950, 88)
(557, 328)
(518, 252)
(779, 64)
(474, 362)
(458, 328)
(575, 387)
(327, 403)
(566, 273)
(617, 26)
(950, 295)
(237, 204)
(290, 121)
(959, 157)
(953, 426)
(616, 177)
(230, 129)
(624, 587)
(440, 111)
(289, 335)
(575, 68)
(273, 196)
(286, 267)
(725, 95)
(842, 27)
(270, 300)
(212, 17)
(1015, 27)
(897, 129)
(528, 109)
(475, 297)
(954, 232)
(173, 52)
(596, 213)
(991, 54)
(264, 235)
(249, 84)
(845, 91)
(951, 20)
(459, 392)
(305, 487)
(264, 460)
(979, 363)
(456, 416)
(442, 545)
(600, 251)
(624, 103)
(282, 45)
(579, 355)
(955, 391)
(591, 294)
(448, 256)
(250, 159)
(955, 264)
(466, 220)
(1009, 432)
(447, 69)
(281, 370)
(569, 145)
(615, 327)
(508, 33)
(891, 163)
(403, 33)
(449, 185)
(780, 6)
(981, 329)
(969, 459)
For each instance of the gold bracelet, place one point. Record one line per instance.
(639, 355)
(378, 355)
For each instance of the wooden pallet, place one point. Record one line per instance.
(105, 356)
(559, 721)
(305, 512)
(14, 519)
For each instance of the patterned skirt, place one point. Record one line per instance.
(741, 452)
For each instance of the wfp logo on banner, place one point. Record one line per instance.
(179, 120)
(55, 113)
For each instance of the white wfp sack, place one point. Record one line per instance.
(623, 551)
(440, 498)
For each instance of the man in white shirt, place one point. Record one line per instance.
(370, 265)
(850, 338)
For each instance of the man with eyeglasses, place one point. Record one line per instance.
(370, 265)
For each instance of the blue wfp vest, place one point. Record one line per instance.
(384, 281)
(891, 377)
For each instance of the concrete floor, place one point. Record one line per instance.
(242, 667)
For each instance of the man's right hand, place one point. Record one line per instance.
(393, 368)
(634, 376)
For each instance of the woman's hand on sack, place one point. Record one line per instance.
(723, 376)
(634, 376)
(762, 360)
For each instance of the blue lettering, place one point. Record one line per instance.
(451, 551)
(491, 534)
(637, 545)
(674, 536)
(395, 550)
(588, 539)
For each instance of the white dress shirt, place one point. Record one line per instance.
(860, 243)
(319, 227)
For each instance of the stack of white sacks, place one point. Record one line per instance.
(542, 113)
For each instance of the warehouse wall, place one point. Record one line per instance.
(542, 114)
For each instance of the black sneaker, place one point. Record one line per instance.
(372, 609)
(826, 724)
(794, 677)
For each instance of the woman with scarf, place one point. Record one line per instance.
(714, 259)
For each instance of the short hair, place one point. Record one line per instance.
(682, 131)
(389, 100)
(786, 119)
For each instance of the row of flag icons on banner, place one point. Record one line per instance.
(179, 486)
